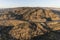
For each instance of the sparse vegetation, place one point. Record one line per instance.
(29, 24)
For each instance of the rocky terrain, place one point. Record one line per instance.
(29, 23)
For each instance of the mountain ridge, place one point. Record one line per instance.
(28, 23)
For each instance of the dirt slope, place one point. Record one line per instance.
(28, 23)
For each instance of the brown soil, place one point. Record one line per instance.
(29, 24)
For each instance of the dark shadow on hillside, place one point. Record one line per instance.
(16, 16)
(56, 11)
(49, 19)
(53, 35)
(45, 26)
(4, 33)
(33, 26)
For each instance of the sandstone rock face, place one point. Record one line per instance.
(26, 23)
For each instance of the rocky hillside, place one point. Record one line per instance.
(29, 23)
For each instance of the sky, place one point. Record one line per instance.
(29, 3)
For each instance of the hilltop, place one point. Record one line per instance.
(29, 23)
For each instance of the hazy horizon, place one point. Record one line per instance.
(29, 3)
